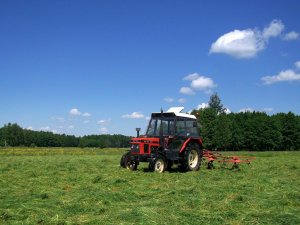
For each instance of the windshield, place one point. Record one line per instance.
(155, 125)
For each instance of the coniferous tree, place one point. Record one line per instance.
(206, 119)
(215, 103)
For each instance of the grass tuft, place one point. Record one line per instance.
(44, 196)
(97, 179)
(5, 216)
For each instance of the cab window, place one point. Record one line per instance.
(155, 124)
(191, 128)
(180, 127)
(168, 127)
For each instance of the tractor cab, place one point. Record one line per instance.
(169, 136)
(172, 123)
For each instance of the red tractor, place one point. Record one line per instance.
(172, 137)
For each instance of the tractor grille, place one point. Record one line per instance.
(135, 148)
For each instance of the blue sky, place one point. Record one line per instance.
(92, 67)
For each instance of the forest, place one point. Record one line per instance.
(13, 135)
(252, 131)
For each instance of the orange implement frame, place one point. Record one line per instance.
(211, 156)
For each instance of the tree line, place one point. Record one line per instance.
(13, 135)
(254, 131)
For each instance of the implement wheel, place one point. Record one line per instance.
(210, 165)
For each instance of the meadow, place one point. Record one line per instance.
(87, 186)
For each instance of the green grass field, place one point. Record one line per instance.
(87, 186)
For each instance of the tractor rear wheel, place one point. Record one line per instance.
(158, 165)
(193, 158)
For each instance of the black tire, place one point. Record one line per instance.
(182, 167)
(193, 158)
(169, 164)
(235, 166)
(122, 161)
(131, 165)
(127, 162)
(159, 164)
(210, 165)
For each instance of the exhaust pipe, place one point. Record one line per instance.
(138, 131)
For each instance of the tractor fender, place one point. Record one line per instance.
(198, 141)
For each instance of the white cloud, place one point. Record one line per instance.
(291, 36)
(86, 121)
(45, 128)
(198, 82)
(30, 128)
(239, 44)
(203, 106)
(168, 99)
(227, 111)
(191, 77)
(134, 115)
(186, 91)
(71, 127)
(273, 30)
(246, 110)
(297, 64)
(203, 83)
(246, 43)
(182, 100)
(286, 75)
(103, 130)
(103, 122)
(86, 114)
(75, 112)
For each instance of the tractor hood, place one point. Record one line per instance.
(145, 140)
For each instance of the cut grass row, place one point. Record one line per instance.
(87, 186)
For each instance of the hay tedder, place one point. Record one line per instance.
(235, 161)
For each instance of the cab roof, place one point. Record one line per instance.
(177, 111)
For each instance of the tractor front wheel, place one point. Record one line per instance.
(122, 161)
(127, 162)
(131, 165)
